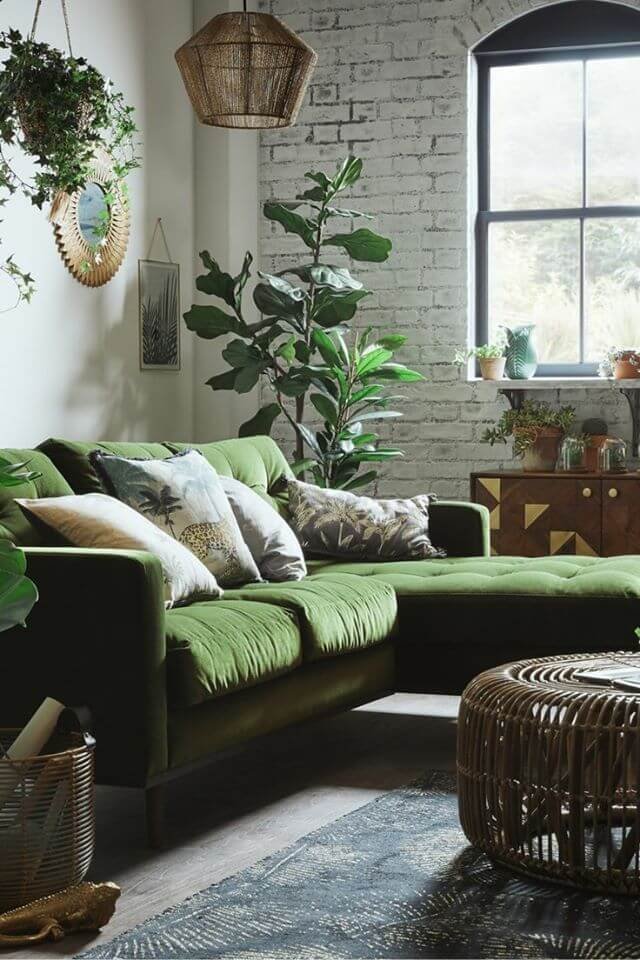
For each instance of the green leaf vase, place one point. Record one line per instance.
(521, 356)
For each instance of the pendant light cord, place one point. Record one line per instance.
(65, 14)
(244, 4)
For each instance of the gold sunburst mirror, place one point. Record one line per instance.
(91, 226)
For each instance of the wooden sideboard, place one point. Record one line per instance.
(543, 514)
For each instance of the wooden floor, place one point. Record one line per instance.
(260, 800)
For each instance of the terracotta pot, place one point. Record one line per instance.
(542, 455)
(627, 367)
(492, 368)
(594, 442)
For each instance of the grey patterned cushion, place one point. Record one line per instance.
(184, 497)
(337, 523)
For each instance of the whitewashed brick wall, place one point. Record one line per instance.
(391, 87)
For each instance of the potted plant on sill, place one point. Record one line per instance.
(490, 356)
(622, 363)
(537, 430)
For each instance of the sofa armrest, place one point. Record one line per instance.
(96, 637)
(462, 529)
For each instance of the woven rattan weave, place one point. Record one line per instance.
(549, 770)
(46, 819)
(246, 70)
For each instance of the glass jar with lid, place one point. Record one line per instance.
(573, 454)
(612, 456)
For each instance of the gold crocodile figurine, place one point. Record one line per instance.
(87, 906)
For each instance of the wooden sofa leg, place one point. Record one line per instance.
(154, 798)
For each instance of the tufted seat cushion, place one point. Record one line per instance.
(222, 646)
(337, 613)
(550, 577)
(460, 616)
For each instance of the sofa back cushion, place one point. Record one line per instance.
(71, 457)
(14, 525)
(257, 462)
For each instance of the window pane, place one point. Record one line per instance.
(612, 294)
(534, 277)
(536, 136)
(613, 131)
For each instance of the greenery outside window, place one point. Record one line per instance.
(558, 223)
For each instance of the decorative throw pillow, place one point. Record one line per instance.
(184, 497)
(272, 542)
(96, 520)
(337, 523)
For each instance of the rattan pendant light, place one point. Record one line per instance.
(246, 70)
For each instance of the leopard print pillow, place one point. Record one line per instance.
(183, 496)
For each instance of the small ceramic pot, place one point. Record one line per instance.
(542, 455)
(492, 368)
(627, 367)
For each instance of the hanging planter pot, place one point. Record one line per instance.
(64, 114)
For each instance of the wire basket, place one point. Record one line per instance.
(47, 822)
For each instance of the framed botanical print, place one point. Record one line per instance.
(159, 299)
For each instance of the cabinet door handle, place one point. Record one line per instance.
(586, 491)
(613, 493)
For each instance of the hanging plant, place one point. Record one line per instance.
(59, 110)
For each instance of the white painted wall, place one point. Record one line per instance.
(69, 363)
(226, 224)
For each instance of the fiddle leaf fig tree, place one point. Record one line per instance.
(299, 347)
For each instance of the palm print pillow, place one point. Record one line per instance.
(183, 496)
(336, 523)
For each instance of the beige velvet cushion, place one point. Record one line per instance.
(336, 523)
(96, 520)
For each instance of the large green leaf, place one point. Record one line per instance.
(315, 194)
(247, 377)
(17, 593)
(274, 302)
(362, 244)
(332, 309)
(376, 415)
(287, 350)
(15, 474)
(325, 407)
(360, 480)
(223, 381)
(239, 354)
(398, 372)
(262, 423)
(392, 341)
(241, 280)
(348, 173)
(372, 360)
(293, 384)
(326, 275)
(320, 178)
(210, 322)
(348, 214)
(282, 286)
(292, 222)
(309, 438)
(216, 283)
(327, 348)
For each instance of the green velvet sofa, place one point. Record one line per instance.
(167, 690)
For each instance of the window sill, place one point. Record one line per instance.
(561, 383)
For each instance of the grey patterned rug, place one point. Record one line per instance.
(395, 878)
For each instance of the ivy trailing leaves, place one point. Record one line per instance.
(58, 110)
(302, 346)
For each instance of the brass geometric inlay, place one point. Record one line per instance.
(492, 484)
(558, 538)
(584, 549)
(494, 518)
(532, 511)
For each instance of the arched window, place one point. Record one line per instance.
(558, 222)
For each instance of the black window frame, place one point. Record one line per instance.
(485, 61)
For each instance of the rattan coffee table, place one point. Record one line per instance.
(549, 769)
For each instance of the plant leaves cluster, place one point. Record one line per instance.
(18, 594)
(299, 346)
(59, 110)
(525, 424)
